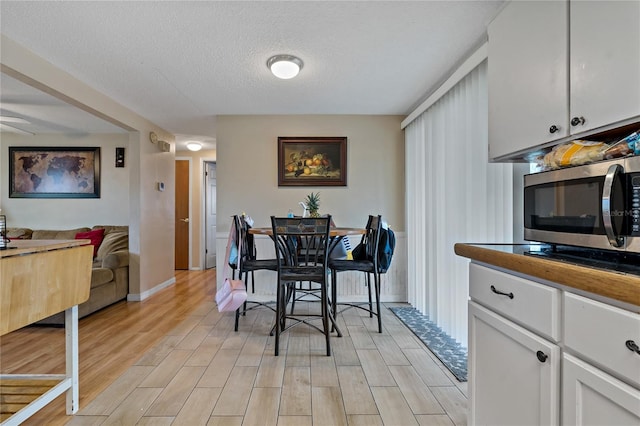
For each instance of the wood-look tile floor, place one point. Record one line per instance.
(201, 372)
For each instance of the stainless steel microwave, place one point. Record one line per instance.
(595, 205)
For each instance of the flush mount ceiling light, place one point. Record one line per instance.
(194, 146)
(284, 66)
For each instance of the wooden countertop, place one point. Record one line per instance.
(40, 278)
(20, 247)
(619, 286)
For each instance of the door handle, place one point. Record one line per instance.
(501, 293)
(614, 240)
(186, 219)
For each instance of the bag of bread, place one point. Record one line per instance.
(627, 146)
(574, 153)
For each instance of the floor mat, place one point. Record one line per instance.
(450, 352)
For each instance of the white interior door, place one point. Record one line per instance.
(210, 215)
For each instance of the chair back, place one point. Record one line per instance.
(248, 247)
(301, 246)
(371, 238)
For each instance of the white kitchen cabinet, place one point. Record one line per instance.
(527, 75)
(561, 68)
(605, 62)
(603, 335)
(592, 397)
(513, 374)
(535, 306)
(516, 354)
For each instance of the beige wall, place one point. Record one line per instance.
(151, 212)
(247, 168)
(112, 208)
(248, 181)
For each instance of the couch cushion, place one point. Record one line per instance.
(95, 236)
(113, 241)
(100, 276)
(112, 228)
(19, 233)
(45, 234)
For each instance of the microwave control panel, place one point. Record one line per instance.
(635, 204)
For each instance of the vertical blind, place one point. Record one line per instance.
(453, 195)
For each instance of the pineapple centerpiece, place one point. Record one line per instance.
(313, 204)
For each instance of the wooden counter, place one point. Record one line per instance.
(39, 278)
(619, 286)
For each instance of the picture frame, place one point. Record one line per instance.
(54, 172)
(312, 161)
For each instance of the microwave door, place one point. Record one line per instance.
(614, 174)
(565, 206)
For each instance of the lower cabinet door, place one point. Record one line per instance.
(513, 373)
(592, 397)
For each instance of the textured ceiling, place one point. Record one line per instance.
(180, 64)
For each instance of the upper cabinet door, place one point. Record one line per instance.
(528, 76)
(605, 62)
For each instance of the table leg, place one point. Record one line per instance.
(71, 333)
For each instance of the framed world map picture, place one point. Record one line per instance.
(54, 172)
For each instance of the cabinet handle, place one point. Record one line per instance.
(542, 357)
(509, 295)
(577, 120)
(632, 346)
(553, 129)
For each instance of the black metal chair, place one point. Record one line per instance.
(368, 263)
(249, 263)
(309, 291)
(301, 246)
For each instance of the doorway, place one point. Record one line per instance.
(182, 215)
(210, 214)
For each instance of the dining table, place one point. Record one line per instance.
(336, 234)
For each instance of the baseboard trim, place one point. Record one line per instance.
(139, 297)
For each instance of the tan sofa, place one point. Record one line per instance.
(110, 272)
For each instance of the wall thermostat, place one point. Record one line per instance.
(160, 186)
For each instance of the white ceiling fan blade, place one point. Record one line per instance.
(8, 119)
(7, 128)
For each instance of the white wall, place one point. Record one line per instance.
(248, 182)
(112, 208)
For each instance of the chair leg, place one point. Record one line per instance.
(246, 287)
(369, 288)
(293, 299)
(235, 328)
(325, 316)
(376, 278)
(244, 307)
(279, 308)
(334, 295)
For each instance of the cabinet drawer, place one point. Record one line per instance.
(598, 332)
(535, 306)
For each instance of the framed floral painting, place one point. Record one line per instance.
(312, 161)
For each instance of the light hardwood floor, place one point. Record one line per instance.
(174, 360)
